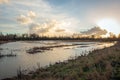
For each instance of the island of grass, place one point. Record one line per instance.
(103, 64)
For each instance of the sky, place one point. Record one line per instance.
(59, 17)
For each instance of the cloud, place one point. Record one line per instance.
(39, 12)
(28, 19)
(60, 30)
(38, 28)
(24, 19)
(45, 25)
(95, 31)
(4, 1)
(31, 14)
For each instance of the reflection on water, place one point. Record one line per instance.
(9, 65)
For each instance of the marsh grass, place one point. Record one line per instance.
(7, 55)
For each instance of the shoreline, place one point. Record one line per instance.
(3, 42)
(100, 64)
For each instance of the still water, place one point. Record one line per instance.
(10, 65)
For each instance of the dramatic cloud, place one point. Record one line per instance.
(97, 31)
(36, 13)
(26, 19)
(45, 26)
(39, 11)
(4, 1)
(42, 28)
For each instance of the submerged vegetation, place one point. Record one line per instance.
(101, 64)
(37, 49)
(7, 55)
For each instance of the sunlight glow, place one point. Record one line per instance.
(111, 25)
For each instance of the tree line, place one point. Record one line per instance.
(16, 37)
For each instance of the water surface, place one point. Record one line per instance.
(10, 65)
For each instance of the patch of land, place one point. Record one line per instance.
(46, 48)
(103, 64)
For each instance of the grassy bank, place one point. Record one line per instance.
(101, 64)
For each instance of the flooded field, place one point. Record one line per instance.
(58, 51)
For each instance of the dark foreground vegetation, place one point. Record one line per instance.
(101, 64)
